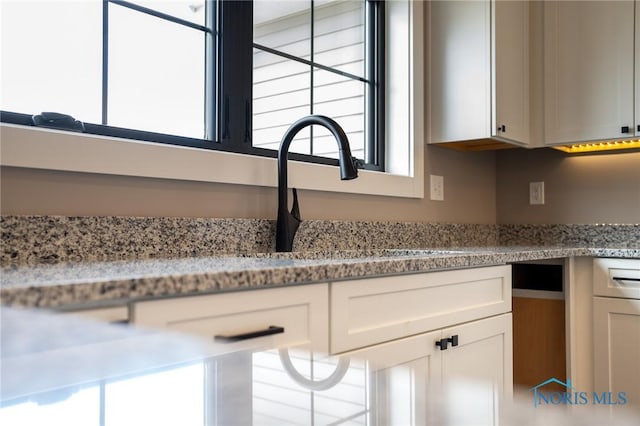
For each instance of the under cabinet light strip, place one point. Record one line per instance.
(600, 146)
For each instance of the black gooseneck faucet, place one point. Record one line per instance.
(288, 222)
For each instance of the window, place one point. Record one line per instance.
(26, 146)
(208, 74)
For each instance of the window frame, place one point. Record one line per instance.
(229, 45)
(120, 154)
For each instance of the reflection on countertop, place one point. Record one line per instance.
(67, 370)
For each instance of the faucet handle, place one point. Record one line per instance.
(295, 210)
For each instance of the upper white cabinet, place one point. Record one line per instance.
(588, 70)
(478, 70)
(637, 81)
(511, 70)
(459, 69)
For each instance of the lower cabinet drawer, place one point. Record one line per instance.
(115, 315)
(616, 277)
(292, 316)
(370, 311)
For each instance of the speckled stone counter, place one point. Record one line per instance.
(51, 261)
(53, 239)
(595, 235)
(116, 282)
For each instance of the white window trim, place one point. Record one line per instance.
(38, 148)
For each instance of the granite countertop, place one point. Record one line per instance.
(87, 371)
(93, 284)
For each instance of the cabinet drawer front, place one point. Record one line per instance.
(301, 311)
(370, 311)
(117, 314)
(616, 278)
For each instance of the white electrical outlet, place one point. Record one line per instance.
(536, 193)
(437, 187)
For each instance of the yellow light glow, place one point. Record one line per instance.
(600, 146)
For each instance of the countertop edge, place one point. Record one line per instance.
(40, 287)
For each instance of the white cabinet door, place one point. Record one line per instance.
(511, 70)
(588, 70)
(616, 325)
(484, 353)
(402, 375)
(478, 70)
(415, 382)
(637, 80)
(459, 70)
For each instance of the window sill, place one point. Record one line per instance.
(37, 148)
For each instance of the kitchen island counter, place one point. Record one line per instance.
(71, 370)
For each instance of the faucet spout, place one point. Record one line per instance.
(288, 222)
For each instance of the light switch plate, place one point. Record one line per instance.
(437, 187)
(536, 193)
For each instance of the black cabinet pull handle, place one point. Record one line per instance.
(442, 343)
(623, 279)
(624, 129)
(251, 335)
(638, 127)
(453, 340)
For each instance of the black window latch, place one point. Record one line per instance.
(55, 120)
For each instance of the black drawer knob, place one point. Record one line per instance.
(442, 343)
(453, 340)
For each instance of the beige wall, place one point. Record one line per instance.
(469, 182)
(483, 187)
(595, 188)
